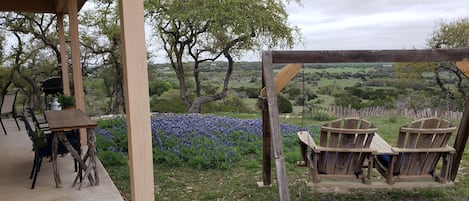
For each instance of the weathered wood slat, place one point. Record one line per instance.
(358, 56)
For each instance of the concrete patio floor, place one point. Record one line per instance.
(16, 160)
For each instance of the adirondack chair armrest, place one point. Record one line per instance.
(348, 130)
(306, 139)
(336, 149)
(446, 149)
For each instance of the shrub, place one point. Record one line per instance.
(169, 101)
(321, 115)
(66, 101)
(159, 87)
(284, 105)
(228, 104)
(348, 100)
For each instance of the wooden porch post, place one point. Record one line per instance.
(75, 47)
(63, 54)
(137, 101)
(76, 64)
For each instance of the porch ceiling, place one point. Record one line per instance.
(37, 6)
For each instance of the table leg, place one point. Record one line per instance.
(55, 141)
(92, 149)
(74, 153)
(91, 155)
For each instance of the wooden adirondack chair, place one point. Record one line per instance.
(344, 146)
(420, 146)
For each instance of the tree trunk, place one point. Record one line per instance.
(196, 106)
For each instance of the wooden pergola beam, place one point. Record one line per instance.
(364, 56)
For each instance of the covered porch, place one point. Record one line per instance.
(15, 166)
(134, 63)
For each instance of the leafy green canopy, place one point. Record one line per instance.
(453, 34)
(221, 22)
(197, 31)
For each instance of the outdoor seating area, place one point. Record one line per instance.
(15, 170)
(349, 146)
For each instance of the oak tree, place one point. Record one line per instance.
(197, 31)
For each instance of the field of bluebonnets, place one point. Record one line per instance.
(207, 157)
(195, 140)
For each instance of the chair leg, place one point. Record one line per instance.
(3, 126)
(34, 167)
(36, 172)
(75, 162)
(17, 125)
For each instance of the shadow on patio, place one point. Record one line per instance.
(16, 160)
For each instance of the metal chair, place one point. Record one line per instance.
(42, 125)
(8, 107)
(42, 147)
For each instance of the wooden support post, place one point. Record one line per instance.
(461, 140)
(266, 141)
(63, 54)
(274, 126)
(76, 64)
(137, 101)
(267, 145)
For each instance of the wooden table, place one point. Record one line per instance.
(381, 146)
(71, 119)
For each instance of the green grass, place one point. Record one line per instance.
(240, 183)
(341, 82)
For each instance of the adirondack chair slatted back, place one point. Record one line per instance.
(344, 134)
(421, 134)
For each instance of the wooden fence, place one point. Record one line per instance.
(341, 111)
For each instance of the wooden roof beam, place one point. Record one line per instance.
(38, 6)
(60, 5)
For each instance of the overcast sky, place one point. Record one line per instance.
(367, 24)
(371, 24)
